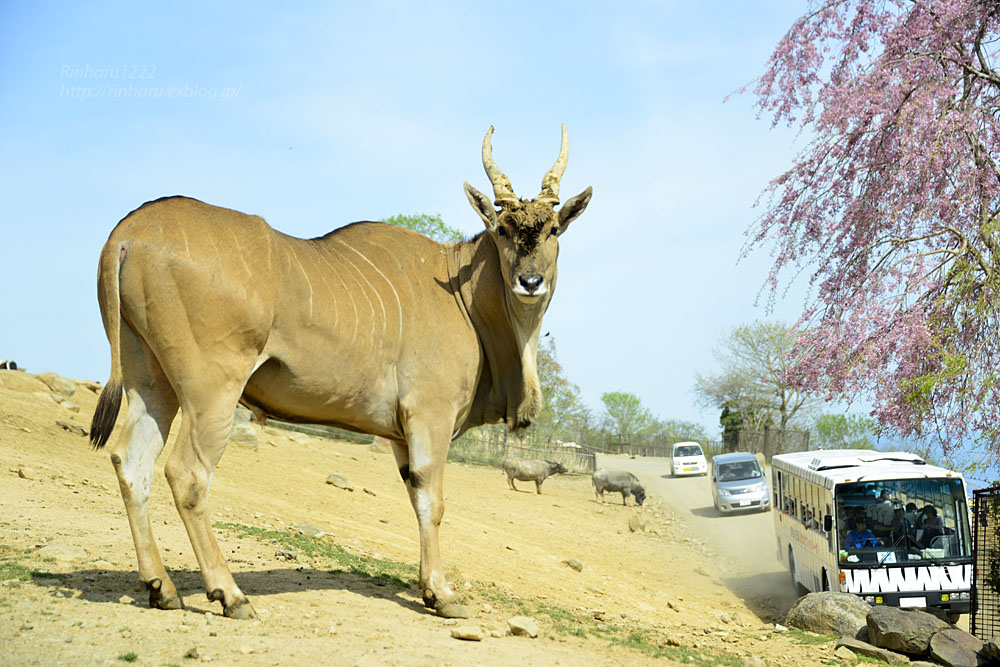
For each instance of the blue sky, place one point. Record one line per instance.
(314, 115)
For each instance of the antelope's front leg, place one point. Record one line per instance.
(421, 465)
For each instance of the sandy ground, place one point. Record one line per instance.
(681, 590)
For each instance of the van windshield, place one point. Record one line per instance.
(731, 472)
(688, 450)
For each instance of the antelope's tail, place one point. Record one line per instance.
(109, 298)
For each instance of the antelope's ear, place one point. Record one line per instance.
(482, 205)
(572, 209)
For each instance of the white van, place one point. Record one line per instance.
(688, 459)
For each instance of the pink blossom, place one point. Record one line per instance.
(893, 208)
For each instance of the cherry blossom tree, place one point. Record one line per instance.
(892, 208)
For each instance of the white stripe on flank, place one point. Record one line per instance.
(370, 304)
(399, 305)
(350, 295)
(308, 282)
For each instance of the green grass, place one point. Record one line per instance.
(131, 656)
(562, 621)
(809, 639)
(557, 620)
(381, 570)
(11, 568)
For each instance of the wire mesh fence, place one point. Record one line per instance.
(771, 441)
(491, 445)
(328, 432)
(492, 452)
(984, 621)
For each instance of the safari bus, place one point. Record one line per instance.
(886, 526)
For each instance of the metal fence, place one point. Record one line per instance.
(771, 441)
(653, 447)
(491, 452)
(984, 621)
(329, 432)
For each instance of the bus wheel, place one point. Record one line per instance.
(954, 618)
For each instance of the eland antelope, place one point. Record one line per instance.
(372, 328)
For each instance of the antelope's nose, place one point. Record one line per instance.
(531, 283)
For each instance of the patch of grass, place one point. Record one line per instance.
(12, 570)
(558, 620)
(563, 621)
(131, 656)
(381, 570)
(803, 638)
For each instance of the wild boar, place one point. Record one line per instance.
(618, 481)
(531, 469)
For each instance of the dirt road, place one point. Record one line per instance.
(741, 545)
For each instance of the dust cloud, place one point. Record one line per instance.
(739, 548)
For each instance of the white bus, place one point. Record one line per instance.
(883, 525)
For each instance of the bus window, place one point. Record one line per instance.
(935, 533)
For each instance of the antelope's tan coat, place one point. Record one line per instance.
(372, 327)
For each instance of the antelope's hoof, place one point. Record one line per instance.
(160, 600)
(241, 609)
(450, 610)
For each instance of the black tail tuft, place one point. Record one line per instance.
(105, 415)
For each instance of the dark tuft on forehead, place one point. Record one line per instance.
(527, 220)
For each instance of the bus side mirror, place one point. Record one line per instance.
(828, 522)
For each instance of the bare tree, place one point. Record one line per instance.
(754, 359)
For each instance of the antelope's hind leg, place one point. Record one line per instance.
(152, 406)
(207, 410)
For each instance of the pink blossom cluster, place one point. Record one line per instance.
(893, 208)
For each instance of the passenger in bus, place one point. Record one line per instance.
(911, 514)
(931, 525)
(860, 536)
(853, 514)
(880, 514)
(902, 529)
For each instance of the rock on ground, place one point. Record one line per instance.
(523, 626)
(829, 613)
(56, 382)
(956, 648)
(845, 654)
(908, 631)
(469, 633)
(862, 648)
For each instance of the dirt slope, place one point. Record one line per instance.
(70, 592)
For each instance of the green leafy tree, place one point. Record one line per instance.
(843, 432)
(754, 361)
(625, 415)
(563, 415)
(431, 226)
(677, 430)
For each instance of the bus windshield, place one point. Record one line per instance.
(899, 521)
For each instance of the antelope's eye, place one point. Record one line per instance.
(555, 230)
(501, 232)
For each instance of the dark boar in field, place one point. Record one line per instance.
(531, 469)
(618, 481)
